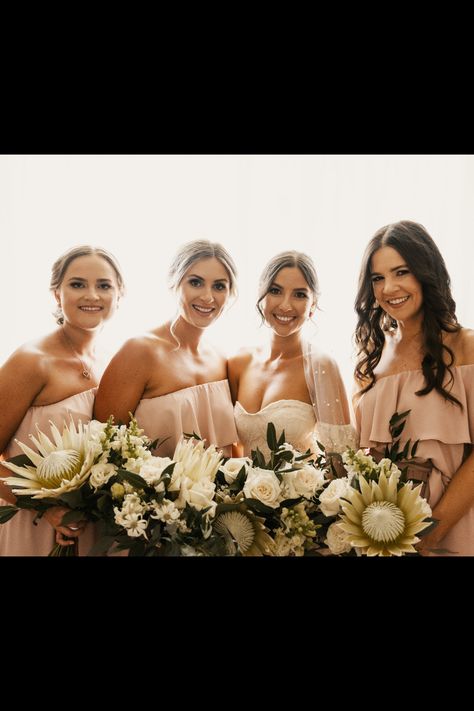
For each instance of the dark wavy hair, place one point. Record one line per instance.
(414, 244)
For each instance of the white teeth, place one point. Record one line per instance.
(284, 319)
(202, 309)
(90, 308)
(397, 301)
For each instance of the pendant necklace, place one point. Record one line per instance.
(85, 371)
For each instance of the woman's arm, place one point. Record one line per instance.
(459, 495)
(124, 382)
(22, 378)
(453, 505)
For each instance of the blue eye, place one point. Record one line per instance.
(220, 286)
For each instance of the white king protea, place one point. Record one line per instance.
(382, 519)
(59, 466)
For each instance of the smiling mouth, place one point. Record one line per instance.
(397, 302)
(204, 311)
(91, 308)
(283, 319)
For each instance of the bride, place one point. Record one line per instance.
(289, 382)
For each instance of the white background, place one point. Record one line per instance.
(142, 208)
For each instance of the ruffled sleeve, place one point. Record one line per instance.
(431, 416)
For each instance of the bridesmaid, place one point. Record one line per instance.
(289, 382)
(171, 378)
(53, 378)
(414, 355)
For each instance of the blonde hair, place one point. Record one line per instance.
(61, 264)
(192, 252)
(195, 251)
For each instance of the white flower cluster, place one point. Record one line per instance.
(297, 528)
(339, 497)
(194, 473)
(298, 479)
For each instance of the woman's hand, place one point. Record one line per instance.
(64, 534)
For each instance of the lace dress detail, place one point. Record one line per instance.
(293, 416)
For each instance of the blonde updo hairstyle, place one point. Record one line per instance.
(61, 265)
(192, 252)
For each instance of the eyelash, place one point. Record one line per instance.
(400, 273)
(80, 285)
(196, 284)
(275, 291)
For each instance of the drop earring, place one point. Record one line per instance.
(58, 314)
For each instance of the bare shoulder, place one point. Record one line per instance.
(241, 360)
(464, 347)
(140, 346)
(30, 359)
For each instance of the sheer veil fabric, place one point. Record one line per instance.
(328, 398)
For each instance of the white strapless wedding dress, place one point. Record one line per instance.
(293, 416)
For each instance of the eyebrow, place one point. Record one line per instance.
(82, 279)
(400, 266)
(196, 276)
(300, 288)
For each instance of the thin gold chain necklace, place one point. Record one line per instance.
(85, 371)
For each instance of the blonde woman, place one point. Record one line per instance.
(171, 378)
(54, 378)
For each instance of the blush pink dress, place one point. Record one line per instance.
(205, 409)
(445, 434)
(19, 536)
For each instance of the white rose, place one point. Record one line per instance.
(152, 470)
(263, 485)
(303, 482)
(101, 473)
(337, 540)
(198, 494)
(330, 498)
(233, 466)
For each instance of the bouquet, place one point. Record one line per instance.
(198, 504)
(373, 510)
(77, 468)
